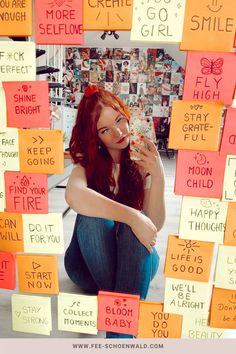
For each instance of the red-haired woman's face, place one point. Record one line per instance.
(113, 130)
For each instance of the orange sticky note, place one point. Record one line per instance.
(26, 193)
(11, 232)
(27, 104)
(107, 15)
(188, 259)
(228, 141)
(223, 308)
(38, 274)
(58, 22)
(209, 25)
(210, 76)
(118, 312)
(199, 173)
(41, 151)
(7, 270)
(16, 18)
(155, 323)
(195, 125)
(230, 228)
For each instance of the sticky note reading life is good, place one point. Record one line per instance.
(77, 313)
(26, 192)
(229, 187)
(159, 21)
(41, 151)
(199, 173)
(228, 141)
(225, 272)
(58, 22)
(155, 323)
(16, 18)
(27, 104)
(210, 76)
(7, 271)
(195, 327)
(17, 61)
(185, 296)
(209, 25)
(31, 314)
(230, 229)
(3, 110)
(11, 232)
(43, 233)
(195, 125)
(9, 150)
(202, 219)
(223, 308)
(118, 312)
(187, 259)
(37, 274)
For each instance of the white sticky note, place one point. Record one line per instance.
(229, 187)
(3, 110)
(195, 327)
(225, 272)
(2, 192)
(9, 150)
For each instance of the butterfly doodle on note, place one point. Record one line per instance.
(212, 66)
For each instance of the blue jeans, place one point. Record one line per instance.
(106, 255)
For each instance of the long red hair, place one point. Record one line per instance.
(97, 161)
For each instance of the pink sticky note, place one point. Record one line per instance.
(7, 270)
(26, 193)
(228, 141)
(118, 312)
(199, 173)
(27, 104)
(210, 76)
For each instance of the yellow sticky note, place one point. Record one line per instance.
(3, 110)
(203, 219)
(195, 327)
(31, 314)
(17, 61)
(2, 192)
(229, 187)
(9, 150)
(225, 272)
(77, 313)
(160, 21)
(230, 230)
(43, 233)
(185, 296)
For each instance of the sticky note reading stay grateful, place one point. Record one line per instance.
(228, 141)
(155, 323)
(16, 18)
(77, 313)
(7, 270)
(9, 150)
(230, 230)
(31, 314)
(223, 309)
(225, 272)
(202, 219)
(11, 232)
(37, 274)
(229, 187)
(118, 312)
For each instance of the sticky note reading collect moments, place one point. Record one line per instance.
(11, 232)
(228, 141)
(9, 150)
(223, 308)
(230, 229)
(16, 18)
(7, 271)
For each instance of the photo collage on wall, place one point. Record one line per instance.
(145, 77)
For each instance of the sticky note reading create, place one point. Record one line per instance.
(7, 271)
(209, 25)
(2, 192)
(9, 150)
(187, 259)
(118, 312)
(228, 141)
(11, 232)
(26, 192)
(3, 110)
(17, 61)
(155, 323)
(223, 309)
(77, 313)
(31, 314)
(203, 219)
(195, 125)
(27, 104)
(58, 22)
(225, 272)
(229, 187)
(185, 296)
(16, 18)
(37, 274)
(230, 229)
(210, 76)
(199, 173)
(159, 21)
(41, 151)
(195, 327)
(43, 233)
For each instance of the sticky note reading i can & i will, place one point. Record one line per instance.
(7, 270)
(228, 141)
(229, 187)
(77, 313)
(225, 272)
(9, 150)
(230, 229)
(118, 312)
(31, 314)
(223, 308)
(11, 232)
(196, 327)
(155, 323)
